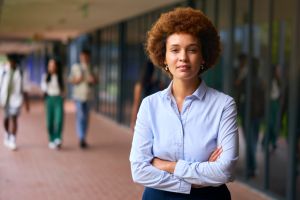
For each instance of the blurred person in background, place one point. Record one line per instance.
(147, 85)
(257, 102)
(185, 142)
(275, 97)
(83, 79)
(240, 85)
(257, 107)
(53, 87)
(11, 99)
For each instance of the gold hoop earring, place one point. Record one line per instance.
(166, 68)
(202, 67)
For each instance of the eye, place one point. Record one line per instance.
(193, 50)
(174, 50)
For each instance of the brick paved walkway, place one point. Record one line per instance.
(100, 173)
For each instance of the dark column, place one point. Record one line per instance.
(216, 13)
(191, 3)
(267, 97)
(228, 74)
(293, 107)
(249, 82)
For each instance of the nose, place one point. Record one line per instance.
(182, 56)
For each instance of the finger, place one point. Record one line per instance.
(213, 158)
(219, 153)
(215, 155)
(155, 161)
(215, 152)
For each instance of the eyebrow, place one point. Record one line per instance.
(193, 44)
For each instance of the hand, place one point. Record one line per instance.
(26, 101)
(78, 79)
(91, 79)
(27, 106)
(164, 165)
(215, 154)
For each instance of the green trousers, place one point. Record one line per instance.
(55, 117)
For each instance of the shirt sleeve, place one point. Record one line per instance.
(220, 171)
(141, 156)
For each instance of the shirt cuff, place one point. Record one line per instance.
(185, 187)
(180, 168)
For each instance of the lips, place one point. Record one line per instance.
(183, 67)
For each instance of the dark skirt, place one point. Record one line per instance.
(206, 193)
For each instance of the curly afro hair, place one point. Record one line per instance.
(183, 20)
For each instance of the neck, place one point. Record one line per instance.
(182, 89)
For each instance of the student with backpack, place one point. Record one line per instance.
(11, 99)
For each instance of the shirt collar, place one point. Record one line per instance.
(167, 93)
(201, 90)
(199, 93)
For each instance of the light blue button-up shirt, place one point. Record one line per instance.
(207, 121)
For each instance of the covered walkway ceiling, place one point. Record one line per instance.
(38, 20)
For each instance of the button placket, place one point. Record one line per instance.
(179, 144)
(179, 134)
(183, 116)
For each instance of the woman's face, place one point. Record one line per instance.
(183, 56)
(52, 66)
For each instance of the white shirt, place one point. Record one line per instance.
(275, 90)
(52, 87)
(16, 96)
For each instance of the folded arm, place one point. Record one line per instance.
(221, 171)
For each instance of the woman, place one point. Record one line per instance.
(53, 87)
(185, 142)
